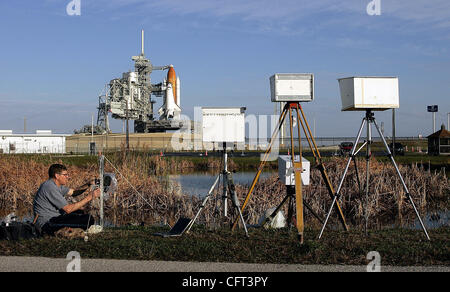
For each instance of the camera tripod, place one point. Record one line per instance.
(297, 165)
(228, 188)
(290, 195)
(369, 119)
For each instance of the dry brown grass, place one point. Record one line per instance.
(20, 179)
(162, 202)
(387, 201)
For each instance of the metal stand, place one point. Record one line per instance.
(369, 119)
(290, 195)
(228, 187)
(288, 108)
(101, 162)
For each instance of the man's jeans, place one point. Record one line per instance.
(76, 219)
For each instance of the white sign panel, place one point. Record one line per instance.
(225, 124)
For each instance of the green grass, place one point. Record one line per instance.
(75, 160)
(397, 247)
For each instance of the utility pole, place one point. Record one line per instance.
(433, 109)
(25, 125)
(314, 127)
(393, 132)
(92, 128)
(92, 143)
(434, 122)
(106, 118)
(282, 126)
(127, 139)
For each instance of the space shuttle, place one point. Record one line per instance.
(171, 110)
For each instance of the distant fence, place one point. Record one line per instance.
(83, 145)
(31, 148)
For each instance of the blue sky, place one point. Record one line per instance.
(53, 66)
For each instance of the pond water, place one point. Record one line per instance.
(199, 184)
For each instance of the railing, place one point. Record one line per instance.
(31, 148)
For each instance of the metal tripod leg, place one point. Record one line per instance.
(312, 212)
(242, 219)
(401, 179)
(298, 168)
(277, 209)
(234, 198)
(225, 182)
(357, 174)
(202, 206)
(291, 196)
(369, 118)
(320, 165)
(290, 211)
(336, 196)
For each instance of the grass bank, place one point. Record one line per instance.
(397, 247)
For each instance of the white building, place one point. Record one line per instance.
(41, 142)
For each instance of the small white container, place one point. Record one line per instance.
(292, 87)
(286, 170)
(369, 93)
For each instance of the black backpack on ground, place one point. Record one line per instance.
(18, 230)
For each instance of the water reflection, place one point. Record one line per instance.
(198, 184)
(434, 220)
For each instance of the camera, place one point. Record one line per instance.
(292, 87)
(109, 183)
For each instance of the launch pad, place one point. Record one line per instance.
(158, 126)
(130, 98)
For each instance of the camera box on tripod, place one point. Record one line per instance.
(223, 124)
(292, 87)
(369, 93)
(286, 170)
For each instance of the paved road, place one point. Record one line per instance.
(36, 264)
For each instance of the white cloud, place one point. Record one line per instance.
(436, 12)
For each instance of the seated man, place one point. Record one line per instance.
(51, 210)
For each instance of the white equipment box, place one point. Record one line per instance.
(223, 124)
(286, 170)
(364, 93)
(286, 87)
